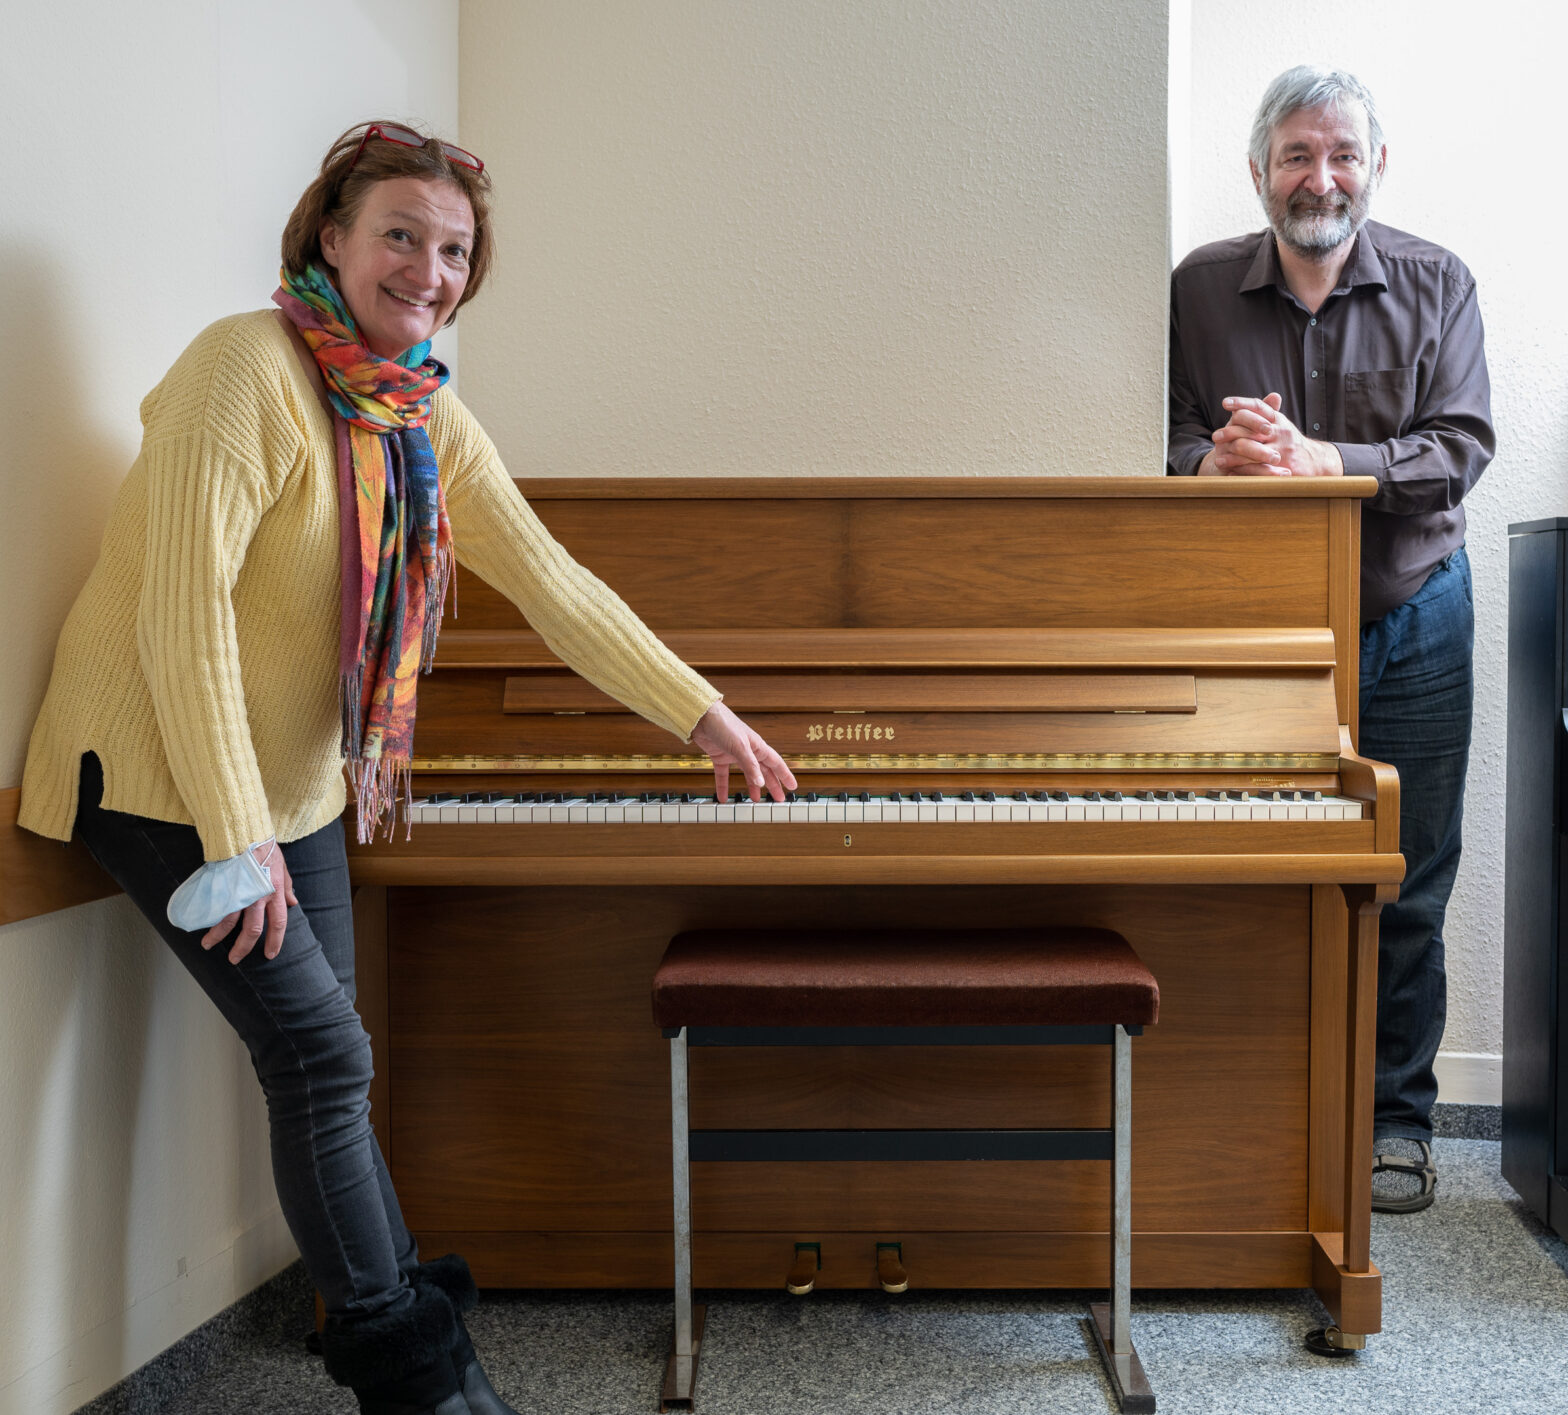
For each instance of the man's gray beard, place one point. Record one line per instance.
(1313, 235)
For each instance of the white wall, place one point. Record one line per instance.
(1470, 99)
(152, 155)
(743, 237)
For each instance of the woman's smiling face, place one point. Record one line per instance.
(402, 265)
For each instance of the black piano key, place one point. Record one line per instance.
(469, 798)
(526, 798)
(1042, 795)
(916, 797)
(441, 798)
(988, 796)
(968, 796)
(812, 798)
(1186, 796)
(1113, 795)
(1060, 796)
(896, 797)
(865, 798)
(1091, 795)
(1317, 796)
(843, 796)
(1020, 795)
(937, 796)
(1165, 796)
(790, 797)
(1144, 795)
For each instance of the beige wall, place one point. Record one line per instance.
(1469, 97)
(756, 238)
(152, 154)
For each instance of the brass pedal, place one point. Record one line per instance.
(890, 1267)
(803, 1271)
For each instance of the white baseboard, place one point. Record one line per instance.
(87, 1366)
(1469, 1078)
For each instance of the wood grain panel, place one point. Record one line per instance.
(1081, 563)
(1182, 560)
(1326, 1140)
(39, 876)
(730, 564)
(504, 1110)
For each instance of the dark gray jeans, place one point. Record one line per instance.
(296, 1016)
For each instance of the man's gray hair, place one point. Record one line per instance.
(1307, 86)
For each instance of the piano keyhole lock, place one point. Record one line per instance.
(848, 840)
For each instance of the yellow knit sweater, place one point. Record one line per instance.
(200, 661)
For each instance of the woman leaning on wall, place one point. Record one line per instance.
(269, 586)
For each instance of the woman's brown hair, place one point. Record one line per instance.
(339, 190)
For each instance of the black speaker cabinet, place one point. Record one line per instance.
(1535, 978)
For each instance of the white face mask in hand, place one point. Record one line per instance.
(221, 888)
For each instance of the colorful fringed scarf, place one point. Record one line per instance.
(396, 540)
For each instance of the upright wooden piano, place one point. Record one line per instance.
(1128, 702)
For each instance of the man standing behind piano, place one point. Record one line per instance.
(1330, 345)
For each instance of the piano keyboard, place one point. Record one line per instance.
(860, 807)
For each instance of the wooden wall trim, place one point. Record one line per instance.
(942, 488)
(39, 876)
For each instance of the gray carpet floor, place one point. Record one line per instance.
(1475, 1323)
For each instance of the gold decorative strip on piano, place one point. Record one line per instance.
(914, 761)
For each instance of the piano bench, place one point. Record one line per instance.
(947, 987)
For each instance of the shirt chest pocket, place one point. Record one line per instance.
(1379, 404)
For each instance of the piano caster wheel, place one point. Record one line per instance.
(1331, 1341)
(803, 1271)
(890, 1267)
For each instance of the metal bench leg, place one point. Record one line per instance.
(680, 1375)
(1112, 1322)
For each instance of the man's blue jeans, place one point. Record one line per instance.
(295, 1014)
(1417, 688)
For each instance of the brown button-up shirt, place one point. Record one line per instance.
(1391, 370)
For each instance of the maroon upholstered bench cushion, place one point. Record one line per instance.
(903, 978)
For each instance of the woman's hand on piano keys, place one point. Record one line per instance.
(729, 742)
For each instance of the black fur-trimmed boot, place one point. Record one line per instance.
(399, 1363)
(450, 1275)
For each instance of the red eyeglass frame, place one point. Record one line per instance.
(459, 155)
